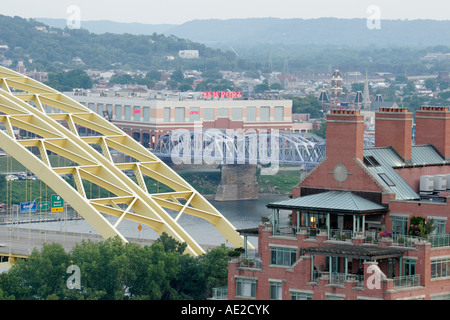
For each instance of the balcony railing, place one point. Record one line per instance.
(220, 293)
(439, 240)
(250, 260)
(407, 281)
(405, 240)
(338, 278)
(342, 235)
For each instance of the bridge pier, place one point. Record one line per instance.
(238, 182)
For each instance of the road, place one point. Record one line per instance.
(22, 241)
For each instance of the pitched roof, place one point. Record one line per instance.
(387, 159)
(331, 201)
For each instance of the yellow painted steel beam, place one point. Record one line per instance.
(68, 143)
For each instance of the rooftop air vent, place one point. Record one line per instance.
(426, 183)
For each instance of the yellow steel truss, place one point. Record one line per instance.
(24, 103)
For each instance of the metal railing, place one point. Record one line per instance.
(250, 260)
(405, 240)
(407, 281)
(220, 293)
(338, 278)
(342, 235)
(439, 240)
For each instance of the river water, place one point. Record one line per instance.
(241, 214)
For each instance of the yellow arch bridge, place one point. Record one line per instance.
(53, 119)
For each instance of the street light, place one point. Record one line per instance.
(29, 223)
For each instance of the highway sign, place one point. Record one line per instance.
(44, 205)
(57, 203)
(27, 207)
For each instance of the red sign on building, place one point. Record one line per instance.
(221, 94)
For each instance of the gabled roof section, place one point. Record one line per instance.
(331, 201)
(425, 155)
(387, 159)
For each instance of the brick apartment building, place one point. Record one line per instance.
(346, 232)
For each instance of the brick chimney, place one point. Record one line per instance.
(393, 127)
(345, 134)
(433, 126)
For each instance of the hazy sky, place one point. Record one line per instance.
(179, 11)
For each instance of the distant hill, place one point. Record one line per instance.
(105, 26)
(53, 48)
(265, 44)
(322, 31)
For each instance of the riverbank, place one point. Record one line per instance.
(205, 183)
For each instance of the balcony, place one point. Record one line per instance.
(220, 293)
(407, 281)
(439, 240)
(338, 279)
(250, 260)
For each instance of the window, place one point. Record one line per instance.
(283, 256)
(265, 114)
(118, 112)
(399, 225)
(332, 297)
(410, 267)
(179, 115)
(250, 114)
(246, 288)
(146, 114)
(100, 109)
(279, 113)
(137, 113)
(275, 290)
(127, 112)
(386, 179)
(208, 114)
(109, 108)
(223, 112)
(440, 226)
(166, 114)
(236, 114)
(440, 268)
(194, 114)
(370, 161)
(441, 297)
(301, 296)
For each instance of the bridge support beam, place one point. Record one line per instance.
(238, 183)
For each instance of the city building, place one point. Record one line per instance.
(188, 54)
(149, 117)
(356, 225)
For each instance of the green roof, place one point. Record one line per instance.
(331, 201)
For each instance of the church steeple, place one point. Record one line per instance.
(366, 99)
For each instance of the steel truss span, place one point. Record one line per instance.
(217, 146)
(53, 119)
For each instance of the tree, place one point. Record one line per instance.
(114, 270)
(67, 81)
(177, 76)
(40, 276)
(322, 132)
(154, 75)
(276, 86)
(409, 88)
(431, 84)
(121, 79)
(309, 104)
